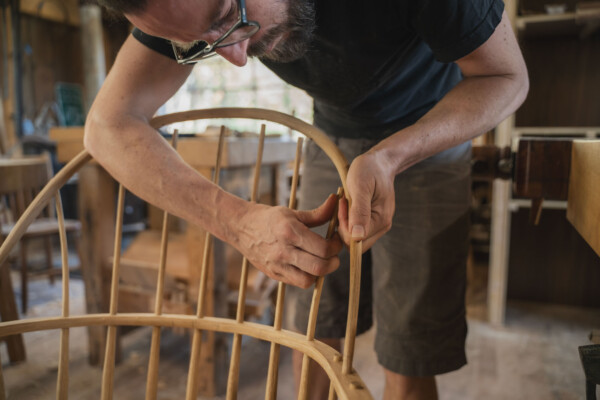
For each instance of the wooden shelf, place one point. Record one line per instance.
(590, 132)
(581, 22)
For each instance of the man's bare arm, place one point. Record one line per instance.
(117, 134)
(495, 85)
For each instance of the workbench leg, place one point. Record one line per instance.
(97, 215)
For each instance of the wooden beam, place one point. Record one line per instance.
(63, 11)
(583, 204)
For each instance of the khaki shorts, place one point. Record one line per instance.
(414, 277)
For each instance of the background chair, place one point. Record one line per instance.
(22, 179)
(345, 382)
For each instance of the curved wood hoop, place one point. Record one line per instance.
(339, 160)
(347, 383)
(348, 386)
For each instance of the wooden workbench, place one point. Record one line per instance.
(96, 207)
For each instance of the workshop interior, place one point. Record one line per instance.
(103, 294)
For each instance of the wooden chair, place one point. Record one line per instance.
(22, 179)
(345, 382)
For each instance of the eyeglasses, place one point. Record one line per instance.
(240, 31)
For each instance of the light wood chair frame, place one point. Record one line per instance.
(345, 382)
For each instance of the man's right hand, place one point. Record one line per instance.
(278, 241)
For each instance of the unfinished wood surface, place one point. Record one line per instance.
(198, 151)
(96, 192)
(152, 377)
(111, 337)
(234, 365)
(203, 299)
(8, 312)
(500, 231)
(273, 371)
(62, 384)
(583, 205)
(345, 381)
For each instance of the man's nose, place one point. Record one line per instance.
(236, 53)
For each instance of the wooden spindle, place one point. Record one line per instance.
(108, 371)
(355, 259)
(332, 395)
(234, 365)
(62, 384)
(153, 362)
(192, 384)
(273, 372)
(314, 310)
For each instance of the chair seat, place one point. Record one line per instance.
(44, 226)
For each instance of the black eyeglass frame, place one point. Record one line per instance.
(208, 50)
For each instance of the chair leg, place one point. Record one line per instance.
(590, 360)
(8, 312)
(24, 276)
(49, 263)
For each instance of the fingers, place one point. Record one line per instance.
(314, 265)
(359, 215)
(298, 268)
(369, 238)
(319, 215)
(306, 240)
(291, 275)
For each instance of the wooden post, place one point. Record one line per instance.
(94, 61)
(500, 236)
(97, 215)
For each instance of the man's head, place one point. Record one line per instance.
(286, 25)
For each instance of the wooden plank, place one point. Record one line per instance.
(583, 205)
(64, 11)
(199, 152)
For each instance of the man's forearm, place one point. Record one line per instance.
(134, 154)
(473, 107)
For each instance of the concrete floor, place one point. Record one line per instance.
(533, 357)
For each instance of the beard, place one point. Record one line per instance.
(296, 34)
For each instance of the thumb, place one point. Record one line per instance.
(359, 216)
(319, 215)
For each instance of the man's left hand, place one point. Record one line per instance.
(371, 187)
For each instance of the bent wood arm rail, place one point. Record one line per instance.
(310, 131)
(345, 383)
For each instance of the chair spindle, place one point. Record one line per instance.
(192, 384)
(111, 336)
(62, 385)
(152, 377)
(273, 372)
(234, 365)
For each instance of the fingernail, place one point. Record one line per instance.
(358, 232)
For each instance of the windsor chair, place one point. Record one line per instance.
(345, 382)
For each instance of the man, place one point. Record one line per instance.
(401, 86)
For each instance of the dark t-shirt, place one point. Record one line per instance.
(374, 68)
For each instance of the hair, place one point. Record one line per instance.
(123, 6)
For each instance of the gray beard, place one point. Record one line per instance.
(298, 30)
